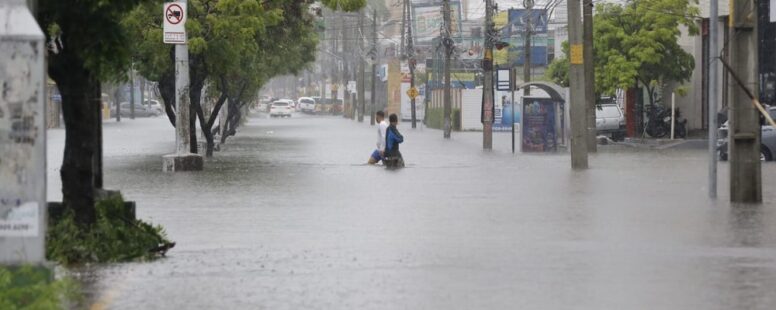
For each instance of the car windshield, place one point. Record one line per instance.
(280, 104)
(608, 111)
(306, 101)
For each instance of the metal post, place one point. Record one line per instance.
(487, 81)
(447, 110)
(577, 87)
(512, 81)
(590, 97)
(528, 4)
(744, 134)
(673, 115)
(713, 99)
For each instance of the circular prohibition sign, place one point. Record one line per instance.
(174, 16)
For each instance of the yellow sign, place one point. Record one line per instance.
(576, 55)
(413, 92)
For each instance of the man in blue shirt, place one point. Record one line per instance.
(393, 158)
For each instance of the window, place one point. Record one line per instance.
(608, 111)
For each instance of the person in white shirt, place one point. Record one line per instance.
(382, 126)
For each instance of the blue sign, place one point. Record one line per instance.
(538, 125)
(519, 17)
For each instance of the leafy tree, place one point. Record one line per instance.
(638, 42)
(558, 70)
(88, 45)
(235, 46)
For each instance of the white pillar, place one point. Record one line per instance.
(22, 136)
(182, 138)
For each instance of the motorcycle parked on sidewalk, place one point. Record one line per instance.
(659, 123)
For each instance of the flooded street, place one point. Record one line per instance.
(287, 216)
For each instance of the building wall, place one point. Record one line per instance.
(690, 105)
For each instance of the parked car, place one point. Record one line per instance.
(307, 105)
(154, 104)
(280, 108)
(140, 110)
(767, 140)
(610, 121)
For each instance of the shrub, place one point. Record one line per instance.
(113, 238)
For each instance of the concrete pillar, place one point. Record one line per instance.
(744, 134)
(22, 136)
(183, 159)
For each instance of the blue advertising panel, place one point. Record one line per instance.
(538, 55)
(538, 125)
(519, 17)
(505, 114)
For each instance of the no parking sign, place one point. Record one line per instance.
(174, 22)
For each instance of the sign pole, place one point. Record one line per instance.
(174, 20)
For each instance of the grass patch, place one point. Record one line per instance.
(435, 118)
(113, 238)
(29, 287)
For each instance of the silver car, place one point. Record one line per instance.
(767, 140)
(610, 121)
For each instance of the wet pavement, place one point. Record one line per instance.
(286, 216)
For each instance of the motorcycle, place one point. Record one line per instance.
(659, 123)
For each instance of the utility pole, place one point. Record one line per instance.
(361, 69)
(528, 5)
(448, 43)
(590, 98)
(132, 94)
(118, 102)
(374, 67)
(412, 64)
(487, 82)
(713, 99)
(404, 9)
(324, 61)
(577, 87)
(744, 134)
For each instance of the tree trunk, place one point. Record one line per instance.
(167, 91)
(79, 89)
(207, 126)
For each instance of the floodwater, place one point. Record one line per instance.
(286, 216)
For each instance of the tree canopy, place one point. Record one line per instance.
(637, 42)
(235, 47)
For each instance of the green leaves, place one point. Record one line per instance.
(344, 5)
(638, 41)
(29, 287)
(114, 238)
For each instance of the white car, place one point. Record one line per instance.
(307, 105)
(154, 104)
(280, 108)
